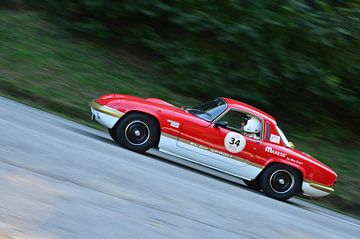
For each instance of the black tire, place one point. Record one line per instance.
(137, 132)
(112, 133)
(280, 181)
(253, 184)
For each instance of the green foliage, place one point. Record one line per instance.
(47, 66)
(299, 60)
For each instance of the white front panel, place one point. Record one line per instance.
(207, 158)
(107, 120)
(311, 191)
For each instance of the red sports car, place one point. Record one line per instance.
(222, 134)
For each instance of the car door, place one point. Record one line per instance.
(225, 149)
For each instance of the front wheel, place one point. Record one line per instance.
(138, 132)
(280, 181)
(112, 133)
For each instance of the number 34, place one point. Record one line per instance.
(234, 141)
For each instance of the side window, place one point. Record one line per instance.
(235, 119)
(267, 133)
(241, 122)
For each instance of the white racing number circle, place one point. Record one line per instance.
(234, 142)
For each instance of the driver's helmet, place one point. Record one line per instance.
(253, 126)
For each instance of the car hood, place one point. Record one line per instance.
(159, 101)
(105, 99)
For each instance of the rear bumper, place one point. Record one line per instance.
(105, 115)
(313, 189)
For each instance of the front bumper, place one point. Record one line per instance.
(313, 189)
(103, 114)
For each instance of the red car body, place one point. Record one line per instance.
(190, 137)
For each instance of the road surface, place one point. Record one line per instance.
(59, 179)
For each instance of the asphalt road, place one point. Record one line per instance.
(59, 179)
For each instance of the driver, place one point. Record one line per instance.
(252, 128)
(244, 120)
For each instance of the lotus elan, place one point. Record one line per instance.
(223, 134)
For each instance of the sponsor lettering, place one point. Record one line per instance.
(294, 160)
(273, 151)
(211, 150)
(274, 138)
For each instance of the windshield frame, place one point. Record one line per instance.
(283, 137)
(198, 107)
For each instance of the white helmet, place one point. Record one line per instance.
(253, 126)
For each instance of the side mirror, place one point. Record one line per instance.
(221, 123)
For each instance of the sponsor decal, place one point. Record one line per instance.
(174, 123)
(294, 160)
(210, 149)
(274, 138)
(234, 142)
(273, 151)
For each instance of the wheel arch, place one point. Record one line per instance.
(300, 169)
(278, 162)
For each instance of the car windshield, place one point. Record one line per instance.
(283, 137)
(209, 110)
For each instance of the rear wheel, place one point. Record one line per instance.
(280, 181)
(138, 132)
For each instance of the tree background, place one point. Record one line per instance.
(298, 60)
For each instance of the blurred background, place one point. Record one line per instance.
(297, 60)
